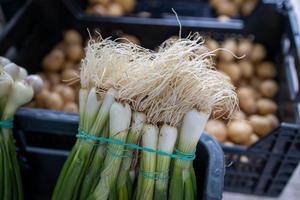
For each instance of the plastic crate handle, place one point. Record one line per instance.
(292, 77)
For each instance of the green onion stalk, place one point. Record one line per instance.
(95, 99)
(146, 178)
(119, 122)
(166, 86)
(93, 119)
(125, 180)
(17, 89)
(107, 61)
(166, 143)
(93, 172)
(181, 183)
(101, 68)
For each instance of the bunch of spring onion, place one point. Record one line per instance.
(17, 89)
(105, 62)
(156, 99)
(181, 88)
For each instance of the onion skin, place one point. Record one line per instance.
(244, 48)
(127, 5)
(36, 82)
(115, 10)
(22, 73)
(4, 61)
(53, 78)
(72, 37)
(226, 8)
(228, 143)
(54, 101)
(247, 7)
(266, 70)
(253, 139)
(248, 106)
(40, 99)
(68, 74)
(74, 52)
(230, 45)
(255, 82)
(247, 101)
(232, 70)
(273, 120)
(130, 38)
(70, 107)
(217, 129)
(70, 65)
(13, 70)
(97, 9)
(247, 69)
(268, 88)
(258, 53)
(239, 115)
(266, 106)
(239, 132)
(67, 94)
(54, 60)
(261, 125)
(211, 44)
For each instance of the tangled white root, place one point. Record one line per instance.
(106, 62)
(176, 79)
(164, 84)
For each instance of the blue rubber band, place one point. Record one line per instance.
(8, 123)
(178, 154)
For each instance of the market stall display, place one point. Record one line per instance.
(169, 91)
(45, 137)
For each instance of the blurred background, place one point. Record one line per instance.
(261, 144)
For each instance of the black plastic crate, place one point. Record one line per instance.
(161, 9)
(188, 9)
(45, 136)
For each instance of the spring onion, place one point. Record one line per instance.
(173, 89)
(146, 182)
(17, 89)
(125, 183)
(119, 121)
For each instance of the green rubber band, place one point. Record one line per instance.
(181, 153)
(8, 123)
(92, 143)
(114, 152)
(178, 154)
(155, 175)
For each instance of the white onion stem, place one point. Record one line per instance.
(148, 163)
(137, 122)
(119, 122)
(92, 107)
(103, 114)
(166, 142)
(192, 128)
